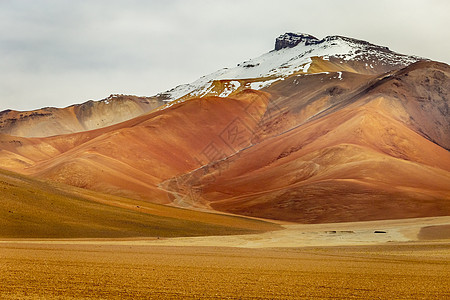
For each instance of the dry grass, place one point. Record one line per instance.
(34, 209)
(39, 271)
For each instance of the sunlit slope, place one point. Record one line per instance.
(367, 168)
(338, 154)
(34, 209)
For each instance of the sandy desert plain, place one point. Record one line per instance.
(408, 259)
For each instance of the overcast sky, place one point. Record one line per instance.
(62, 52)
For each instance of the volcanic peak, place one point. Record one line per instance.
(294, 54)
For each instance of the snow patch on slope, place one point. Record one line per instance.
(257, 85)
(229, 88)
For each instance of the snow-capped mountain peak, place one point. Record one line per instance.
(295, 53)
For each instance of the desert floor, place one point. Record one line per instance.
(347, 260)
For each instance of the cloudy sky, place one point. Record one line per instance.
(61, 52)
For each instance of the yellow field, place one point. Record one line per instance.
(96, 270)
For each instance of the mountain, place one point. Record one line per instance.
(76, 118)
(314, 131)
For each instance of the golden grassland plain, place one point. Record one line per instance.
(31, 208)
(107, 271)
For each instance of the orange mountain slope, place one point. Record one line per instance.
(361, 158)
(132, 158)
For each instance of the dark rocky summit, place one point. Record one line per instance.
(290, 40)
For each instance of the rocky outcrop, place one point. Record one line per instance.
(290, 40)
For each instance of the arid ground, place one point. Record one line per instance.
(351, 261)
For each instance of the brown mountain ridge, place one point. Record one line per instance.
(75, 118)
